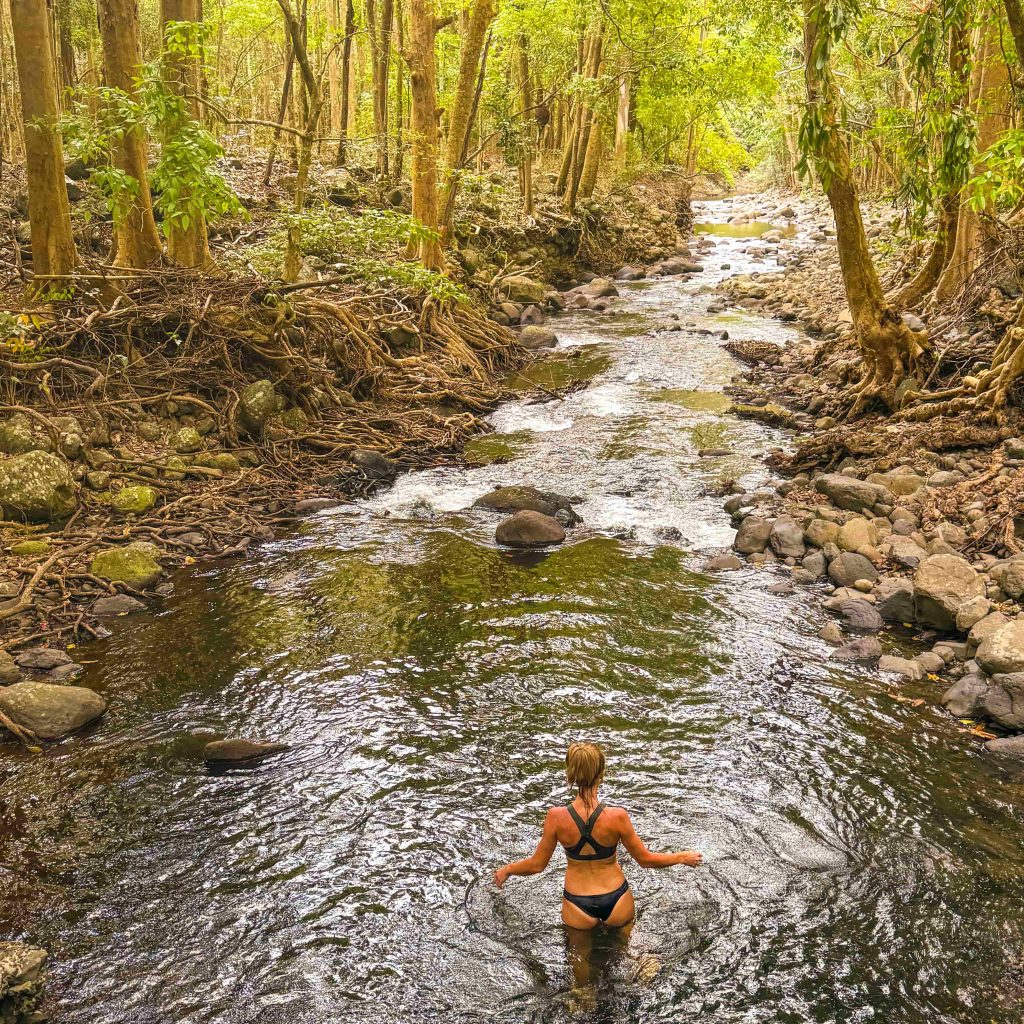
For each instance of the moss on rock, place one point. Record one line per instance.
(135, 499)
(37, 487)
(134, 564)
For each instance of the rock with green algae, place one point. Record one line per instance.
(37, 487)
(224, 461)
(135, 499)
(174, 468)
(187, 440)
(134, 564)
(257, 403)
(26, 548)
(17, 436)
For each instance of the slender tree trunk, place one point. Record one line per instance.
(622, 119)
(399, 125)
(991, 92)
(335, 33)
(460, 121)
(188, 246)
(423, 129)
(581, 141)
(891, 351)
(136, 239)
(1015, 16)
(68, 75)
(380, 26)
(49, 213)
(592, 161)
(282, 110)
(312, 106)
(346, 83)
(528, 129)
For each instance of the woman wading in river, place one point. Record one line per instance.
(596, 891)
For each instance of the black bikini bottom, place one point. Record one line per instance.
(600, 906)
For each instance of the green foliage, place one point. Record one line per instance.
(999, 183)
(362, 247)
(185, 184)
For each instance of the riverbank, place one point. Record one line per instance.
(914, 526)
(198, 418)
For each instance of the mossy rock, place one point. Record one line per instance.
(174, 468)
(26, 548)
(224, 461)
(135, 499)
(17, 435)
(187, 440)
(257, 403)
(293, 419)
(134, 564)
(37, 487)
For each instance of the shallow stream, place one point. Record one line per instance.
(863, 858)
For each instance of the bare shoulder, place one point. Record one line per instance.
(617, 816)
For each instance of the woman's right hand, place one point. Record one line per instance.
(691, 858)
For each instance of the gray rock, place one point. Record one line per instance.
(815, 563)
(235, 750)
(1009, 577)
(753, 535)
(965, 697)
(529, 529)
(900, 666)
(1004, 702)
(374, 465)
(51, 711)
(37, 487)
(723, 563)
(848, 567)
(820, 532)
(985, 627)
(9, 672)
(520, 497)
(931, 662)
(787, 538)
(309, 505)
(17, 435)
(116, 604)
(865, 649)
(831, 633)
(860, 616)
(532, 338)
(1007, 746)
(1002, 651)
(971, 612)
(852, 494)
(903, 551)
(895, 599)
(41, 659)
(942, 583)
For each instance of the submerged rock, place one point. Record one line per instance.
(239, 749)
(520, 497)
(529, 529)
(49, 710)
(116, 604)
(374, 465)
(865, 649)
(533, 337)
(36, 487)
(1007, 746)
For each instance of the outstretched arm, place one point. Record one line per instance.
(538, 861)
(637, 849)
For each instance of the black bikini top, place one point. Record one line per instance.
(586, 828)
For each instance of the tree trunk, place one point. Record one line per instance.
(187, 246)
(581, 142)
(333, 63)
(460, 121)
(49, 213)
(68, 76)
(312, 105)
(346, 83)
(380, 60)
(282, 111)
(399, 125)
(588, 180)
(991, 97)
(528, 126)
(891, 351)
(136, 239)
(423, 129)
(622, 119)
(1015, 16)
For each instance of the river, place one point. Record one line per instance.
(863, 859)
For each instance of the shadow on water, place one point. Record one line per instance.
(863, 861)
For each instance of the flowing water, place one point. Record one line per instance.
(863, 858)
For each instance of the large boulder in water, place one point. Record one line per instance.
(753, 535)
(520, 498)
(942, 584)
(532, 337)
(134, 564)
(529, 530)
(51, 711)
(36, 487)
